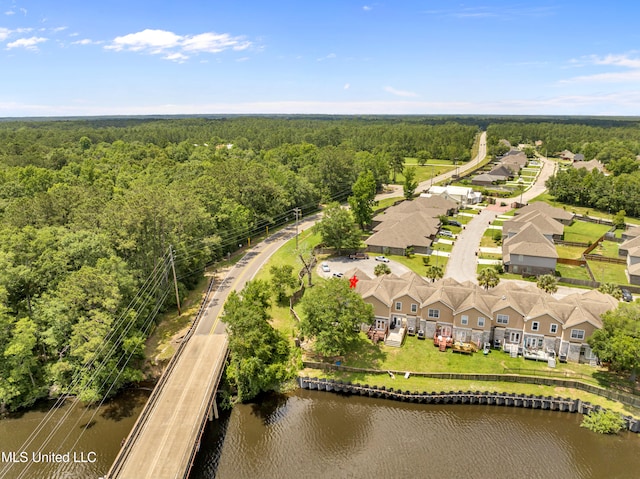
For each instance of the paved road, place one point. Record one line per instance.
(397, 191)
(165, 441)
(164, 438)
(234, 278)
(462, 265)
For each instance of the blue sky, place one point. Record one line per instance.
(67, 57)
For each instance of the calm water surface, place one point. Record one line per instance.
(318, 434)
(83, 433)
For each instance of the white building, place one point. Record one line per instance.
(463, 195)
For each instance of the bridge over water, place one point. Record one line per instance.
(165, 439)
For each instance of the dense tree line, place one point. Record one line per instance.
(594, 189)
(605, 143)
(89, 209)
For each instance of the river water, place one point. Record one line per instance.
(317, 434)
(93, 434)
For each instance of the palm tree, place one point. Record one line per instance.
(488, 278)
(381, 269)
(434, 273)
(612, 289)
(547, 283)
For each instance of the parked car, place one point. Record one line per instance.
(446, 233)
(384, 259)
(454, 223)
(325, 267)
(359, 256)
(626, 295)
(338, 275)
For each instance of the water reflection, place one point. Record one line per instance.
(85, 431)
(316, 434)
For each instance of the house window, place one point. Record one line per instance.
(553, 329)
(535, 326)
(414, 308)
(577, 334)
(398, 306)
(480, 322)
(434, 313)
(514, 337)
(502, 319)
(464, 320)
(520, 258)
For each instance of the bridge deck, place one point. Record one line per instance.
(163, 446)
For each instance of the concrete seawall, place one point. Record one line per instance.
(461, 397)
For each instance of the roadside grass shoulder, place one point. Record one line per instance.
(426, 172)
(385, 203)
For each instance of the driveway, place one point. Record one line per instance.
(341, 264)
(462, 263)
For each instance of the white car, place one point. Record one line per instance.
(384, 259)
(325, 267)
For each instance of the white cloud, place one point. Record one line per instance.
(214, 43)
(396, 92)
(177, 47)
(27, 43)
(627, 69)
(6, 33)
(347, 86)
(10, 12)
(619, 104)
(85, 41)
(176, 57)
(154, 41)
(330, 56)
(617, 60)
(367, 8)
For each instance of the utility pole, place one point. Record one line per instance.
(175, 279)
(298, 213)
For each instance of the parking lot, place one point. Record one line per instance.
(341, 264)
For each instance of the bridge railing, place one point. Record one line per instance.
(153, 398)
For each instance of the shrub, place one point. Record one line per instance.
(603, 422)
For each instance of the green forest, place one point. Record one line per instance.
(93, 210)
(617, 147)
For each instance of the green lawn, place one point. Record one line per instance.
(386, 203)
(571, 271)
(581, 210)
(608, 272)
(487, 241)
(570, 252)
(424, 173)
(583, 232)
(414, 263)
(490, 256)
(608, 249)
(422, 356)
